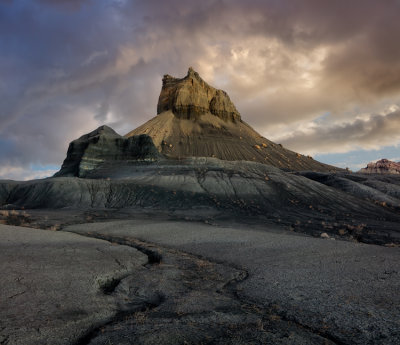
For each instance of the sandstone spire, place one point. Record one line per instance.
(190, 97)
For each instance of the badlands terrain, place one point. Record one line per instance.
(194, 229)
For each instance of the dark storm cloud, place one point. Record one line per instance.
(69, 66)
(73, 4)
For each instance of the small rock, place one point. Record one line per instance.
(324, 235)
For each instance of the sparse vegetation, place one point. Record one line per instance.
(15, 217)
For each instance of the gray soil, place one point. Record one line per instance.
(153, 280)
(343, 205)
(200, 251)
(344, 292)
(54, 284)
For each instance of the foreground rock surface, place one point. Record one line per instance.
(345, 292)
(201, 284)
(175, 298)
(54, 284)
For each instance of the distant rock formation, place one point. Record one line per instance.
(383, 166)
(197, 120)
(104, 145)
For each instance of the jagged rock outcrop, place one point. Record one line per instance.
(383, 166)
(191, 97)
(196, 120)
(105, 145)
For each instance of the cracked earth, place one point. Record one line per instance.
(154, 280)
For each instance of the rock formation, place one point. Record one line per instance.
(191, 97)
(383, 166)
(104, 145)
(196, 120)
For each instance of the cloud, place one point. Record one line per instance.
(368, 133)
(64, 4)
(75, 65)
(18, 173)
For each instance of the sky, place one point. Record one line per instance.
(320, 77)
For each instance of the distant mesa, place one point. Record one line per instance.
(194, 120)
(383, 166)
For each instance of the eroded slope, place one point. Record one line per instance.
(197, 120)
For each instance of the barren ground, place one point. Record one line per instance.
(150, 279)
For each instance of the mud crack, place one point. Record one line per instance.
(153, 256)
(109, 287)
(188, 299)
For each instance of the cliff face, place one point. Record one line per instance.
(104, 145)
(191, 97)
(383, 166)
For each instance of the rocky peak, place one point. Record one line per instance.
(104, 145)
(191, 97)
(383, 166)
(103, 130)
(212, 128)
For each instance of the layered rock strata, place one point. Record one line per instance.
(191, 97)
(203, 188)
(197, 120)
(104, 145)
